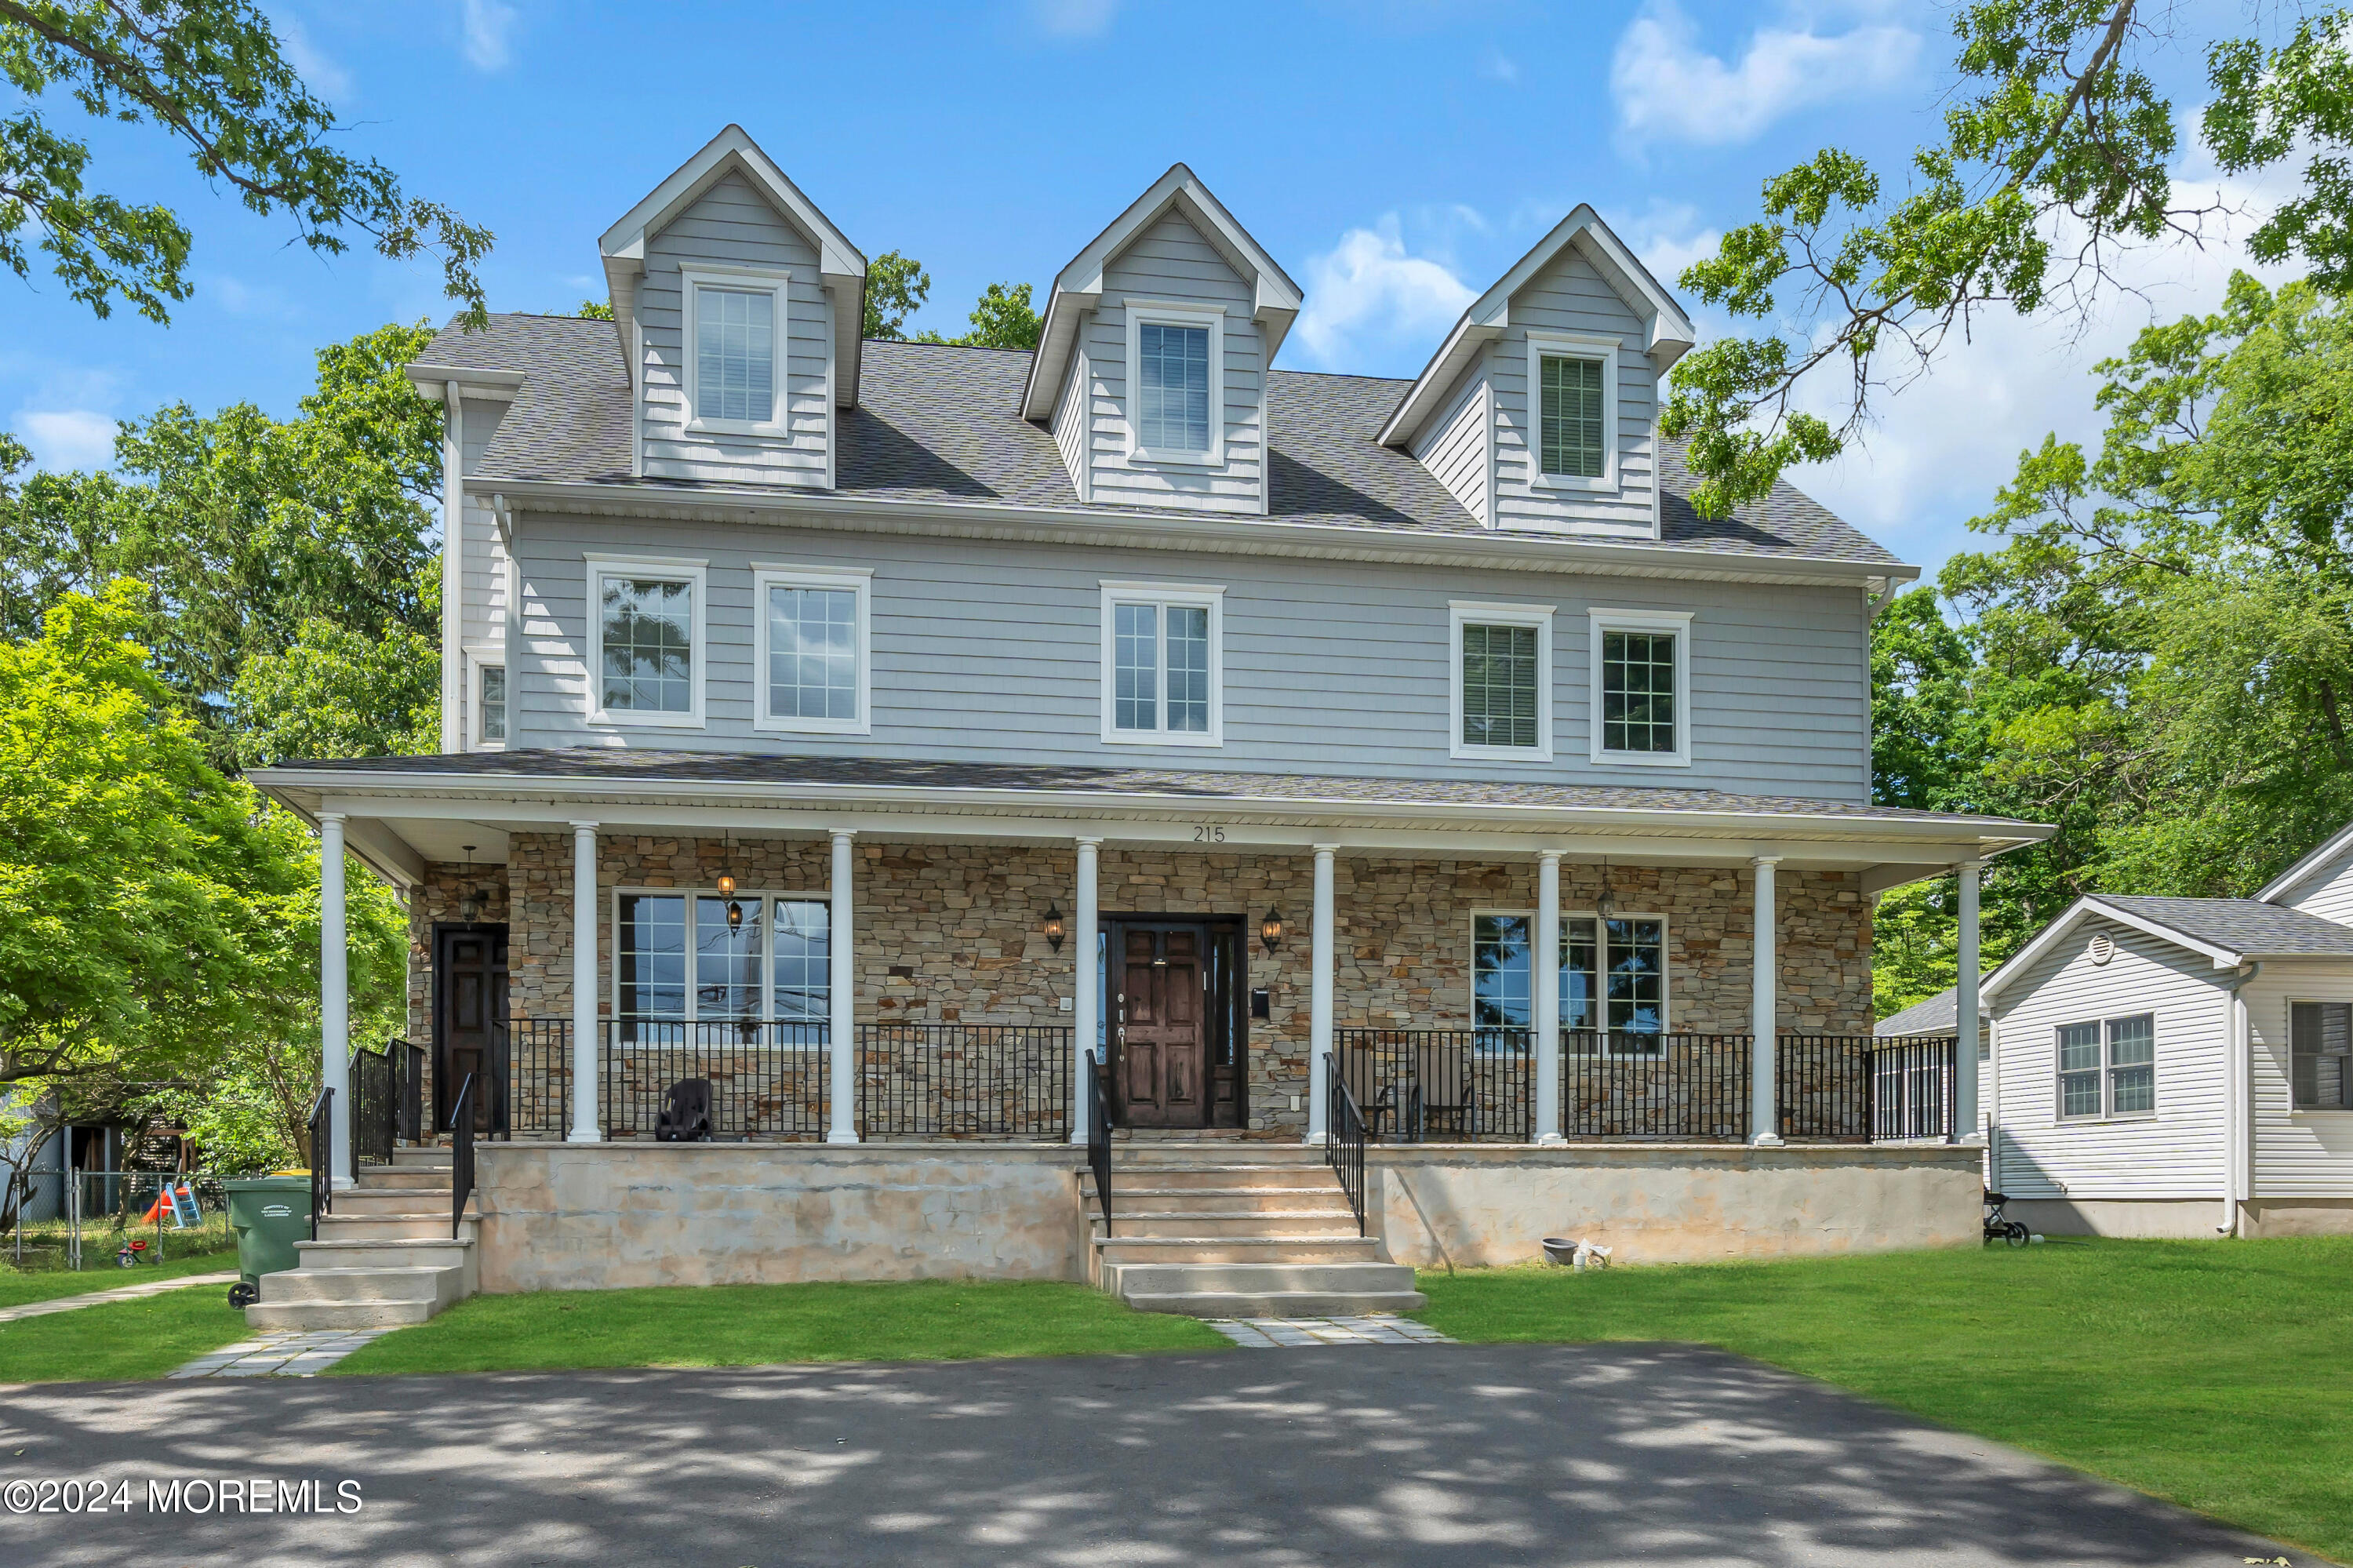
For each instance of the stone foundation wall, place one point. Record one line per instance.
(949, 933)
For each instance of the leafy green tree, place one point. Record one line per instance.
(896, 287)
(211, 74)
(596, 309)
(1002, 319)
(334, 692)
(2057, 155)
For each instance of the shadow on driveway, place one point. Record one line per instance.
(1424, 1455)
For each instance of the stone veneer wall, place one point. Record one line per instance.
(949, 933)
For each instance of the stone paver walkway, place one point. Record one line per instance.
(1287, 1333)
(281, 1352)
(120, 1293)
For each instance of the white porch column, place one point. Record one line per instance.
(843, 988)
(334, 1000)
(585, 921)
(1319, 994)
(1087, 1002)
(1544, 994)
(1764, 1111)
(1965, 1009)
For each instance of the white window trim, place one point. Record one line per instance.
(857, 580)
(774, 282)
(742, 895)
(1211, 598)
(2295, 1109)
(1573, 345)
(599, 567)
(2108, 1111)
(1679, 622)
(1140, 313)
(480, 657)
(1462, 612)
(1666, 963)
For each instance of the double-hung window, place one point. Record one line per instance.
(2108, 1068)
(1641, 683)
(1500, 686)
(1178, 386)
(814, 650)
(701, 958)
(2320, 1055)
(490, 705)
(735, 349)
(1162, 664)
(645, 622)
(1572, 401)
(1612, 979)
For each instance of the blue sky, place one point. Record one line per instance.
(1394, 157)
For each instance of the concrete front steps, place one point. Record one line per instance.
(1214, 1230)
(383, 1257)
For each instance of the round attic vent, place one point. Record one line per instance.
(2102, 948)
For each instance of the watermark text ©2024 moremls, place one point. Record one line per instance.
(199, 1495)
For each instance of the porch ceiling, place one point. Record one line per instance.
(404, 812)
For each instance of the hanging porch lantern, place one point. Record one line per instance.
(1270, 930)
(1053, 927)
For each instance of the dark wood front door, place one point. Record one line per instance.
(470, 1011)
(1161, 1004)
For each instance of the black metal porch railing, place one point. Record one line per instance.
(536, 1066)
(385, 1098)
(1684, 1088)
(1911, 1087)
(1821, 1086)
(461, 1151)
(1452, 1085)
(1099, 1131)
(767, 1080)
(320, 1133)
(963, 1080)
(1344, 1139)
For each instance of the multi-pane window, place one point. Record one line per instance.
(813, 653)
(2320, 1055)
(1612, 974)
(1499, 971)
(735, 354)
(751, 957)
(1501, 686)
(1172, 387)
(493, 694)
(1162, 669)
(1638, 691)
(2108, 1068)
(1572, 417)
(648, 642)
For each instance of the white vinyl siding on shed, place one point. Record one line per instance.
(1170, 263)
(992, 650)
(2175, 1153)
(732, 225)
(2325, 890)
(1570, 297)
(1457, 447)
(2297, 1153)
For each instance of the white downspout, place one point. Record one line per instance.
(453, 574)
(2238, 1096)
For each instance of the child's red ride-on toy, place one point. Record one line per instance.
(129, 1256)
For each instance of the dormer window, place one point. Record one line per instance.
(733, 350)
(1179, 384)
(1573, 391)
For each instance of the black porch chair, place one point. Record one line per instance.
(685, 1115)
(1445, 1091)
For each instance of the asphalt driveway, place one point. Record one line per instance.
(1441, 1453)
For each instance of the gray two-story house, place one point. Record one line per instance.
(862, 751)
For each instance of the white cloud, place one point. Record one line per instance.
(1668, 88)
(1668, 237)
(1500, 66)
(1073, 18)
(64, 439)
(319, 71)
(489, 28)
(1368, 293)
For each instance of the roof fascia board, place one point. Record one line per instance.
(487, 386)
(1224, 535)
(2289, 880)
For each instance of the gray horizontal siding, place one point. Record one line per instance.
(990, 651)
(732, 224)
(1456, 446)
(1570, 296)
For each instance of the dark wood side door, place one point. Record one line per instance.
(470, 1011)
(1161, 1009)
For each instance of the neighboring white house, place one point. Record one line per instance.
(2182, 1066)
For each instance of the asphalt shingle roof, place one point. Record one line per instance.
(1940, 1015)
(941, 423)
(2247, 926)
(626, 765)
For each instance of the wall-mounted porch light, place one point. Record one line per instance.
(1053, 927)
(1270, 930)
(734, 910)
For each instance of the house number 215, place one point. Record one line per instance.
(1205, 834)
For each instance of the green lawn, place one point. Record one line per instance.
(2215, 1373)
(16, 1289)
(122, 1340)
(751, 1325)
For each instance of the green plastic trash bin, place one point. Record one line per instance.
(270, 1214)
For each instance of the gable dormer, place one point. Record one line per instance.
(739, 306)
(1540, 410)
(1153, 355)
